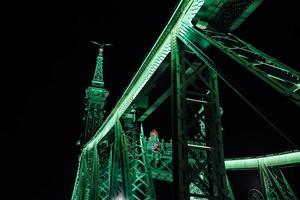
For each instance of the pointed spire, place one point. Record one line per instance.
(98, 74)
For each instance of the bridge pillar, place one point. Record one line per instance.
(198, 165)
(180, 152)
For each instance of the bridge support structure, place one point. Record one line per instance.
(194, 86)
(194, 161)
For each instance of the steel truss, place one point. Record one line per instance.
(105, 153)
(140, 179)
(205, 177)
(88, 176)
(275, 184)
(196, 166)
(276, 74)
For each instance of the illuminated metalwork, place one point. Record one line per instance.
(120, 182)
(93, 178)
(279, 76)
(95, 101)
(179, 138)
(88, 176)
(282, 159)
(275, 185)
(229, 189)
(194, 161)
(152, 61)
(140, 179)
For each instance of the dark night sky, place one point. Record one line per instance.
(47, 62)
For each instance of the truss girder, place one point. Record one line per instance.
(119, 183)
(282, 78)
(275, 184)
(279, 76)
(140, 178)
(105, 154)
(88, 177)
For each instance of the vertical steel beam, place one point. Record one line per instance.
(215, 139)
(180, 152)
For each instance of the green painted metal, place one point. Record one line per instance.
(229, 189)
(275, 160)
(161, 162)
(140, 178)
(275, 184)
(88, 177)
(127, 171)
(185, 10)
(215, 137)
(95, 101)
(282, 78)
(155, 105)
(179, 138)
(149, 185)
(198, 158)
(225, 15)
(284, 159)
(213, 119)
(120, 183)
(206, 178)
(98, 75)
(105, 153)
(93, 181)
(245, 13)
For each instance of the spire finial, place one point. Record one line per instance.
(98, 74)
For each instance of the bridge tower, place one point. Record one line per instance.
(89, 162)
(95, 100)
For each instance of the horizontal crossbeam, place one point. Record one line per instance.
(283, 159)
(274, 160)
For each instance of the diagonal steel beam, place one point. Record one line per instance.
(280, 77)
(155, 105)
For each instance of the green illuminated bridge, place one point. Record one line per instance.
(117, 160)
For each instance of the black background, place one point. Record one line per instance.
(47, 62)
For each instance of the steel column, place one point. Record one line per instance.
(180, 151)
